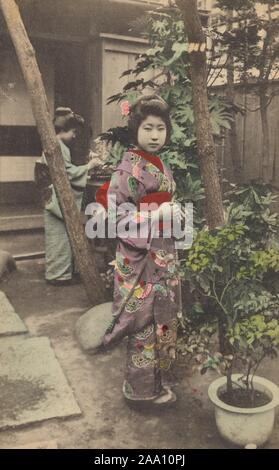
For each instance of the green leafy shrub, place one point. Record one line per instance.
(225, 267)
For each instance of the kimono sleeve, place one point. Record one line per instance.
(77, 174)
(133, 227)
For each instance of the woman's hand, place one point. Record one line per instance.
(169, 210)
(95, 161)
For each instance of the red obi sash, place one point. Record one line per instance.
(102, 194)
(158, 197)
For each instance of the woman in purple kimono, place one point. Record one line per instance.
(149, 318)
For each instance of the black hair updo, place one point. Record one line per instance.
(145, 106)
(65, 119)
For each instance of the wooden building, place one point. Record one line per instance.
(82, 47)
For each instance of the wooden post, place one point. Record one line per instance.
(206, 147)
(232, 142)
(27, 59)
(94, 71)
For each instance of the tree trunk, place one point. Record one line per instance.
(206, 147)
(72, 217)
(233, 148)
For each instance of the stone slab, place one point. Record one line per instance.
(10, 323)
(9, 341)
(39, 445)
(33, 386)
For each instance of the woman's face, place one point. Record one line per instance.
(152, 134)
(68, 136)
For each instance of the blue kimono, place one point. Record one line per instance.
(59, 257)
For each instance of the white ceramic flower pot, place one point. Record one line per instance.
(243, 426)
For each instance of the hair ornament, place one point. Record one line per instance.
(125, 108)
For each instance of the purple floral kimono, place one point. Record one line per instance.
(150, 316)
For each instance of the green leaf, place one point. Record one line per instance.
(178, 49)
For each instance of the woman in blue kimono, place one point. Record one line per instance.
(59, 268)
(149, 318)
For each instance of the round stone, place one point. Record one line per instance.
(92, 325)
(7, 263)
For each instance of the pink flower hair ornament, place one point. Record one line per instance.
(125, 108)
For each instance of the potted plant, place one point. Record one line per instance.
(228, 268)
